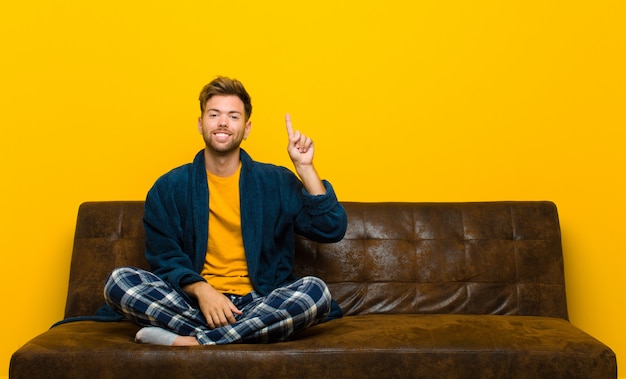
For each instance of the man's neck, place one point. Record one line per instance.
(223, 165)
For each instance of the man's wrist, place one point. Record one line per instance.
(305, 169)
(193, 289)
(310, 179)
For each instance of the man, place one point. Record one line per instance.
(220, 235)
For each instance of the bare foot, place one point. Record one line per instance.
(185, 341)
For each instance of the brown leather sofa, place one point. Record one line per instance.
(429, 290)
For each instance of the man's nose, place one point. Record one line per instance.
(223, 120)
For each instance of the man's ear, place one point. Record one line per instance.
(200, 124)
(248, 128)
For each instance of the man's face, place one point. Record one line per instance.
(223, 124)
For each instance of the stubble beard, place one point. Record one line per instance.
(223, 149)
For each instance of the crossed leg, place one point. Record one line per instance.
(149, 301)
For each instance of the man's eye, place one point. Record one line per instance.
(212, 115)
(234, 117)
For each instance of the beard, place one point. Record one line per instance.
(223, 148)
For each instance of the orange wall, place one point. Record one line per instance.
(407, 101)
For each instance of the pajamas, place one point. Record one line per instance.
(149, 301)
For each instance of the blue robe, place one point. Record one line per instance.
(274, 207)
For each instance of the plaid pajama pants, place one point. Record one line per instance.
(149, 301)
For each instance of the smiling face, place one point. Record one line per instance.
(223, 124)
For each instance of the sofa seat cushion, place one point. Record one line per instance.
(366, 346)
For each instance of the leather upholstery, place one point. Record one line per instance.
(488, 258)
(455, 290)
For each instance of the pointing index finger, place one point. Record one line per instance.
(288, 124)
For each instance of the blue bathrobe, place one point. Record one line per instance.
(274, 207)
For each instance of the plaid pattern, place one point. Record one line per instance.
(149, 301)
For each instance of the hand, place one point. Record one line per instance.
(300, 147)
(217, 309)
(300, 150)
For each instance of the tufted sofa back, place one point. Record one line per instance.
(469, 258)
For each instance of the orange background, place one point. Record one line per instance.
(406, 101)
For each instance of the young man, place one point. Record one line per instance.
(220, 235)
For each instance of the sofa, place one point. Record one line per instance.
(428, 290)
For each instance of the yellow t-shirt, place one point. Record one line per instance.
(225, 266)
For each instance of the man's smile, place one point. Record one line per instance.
(221, 136)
